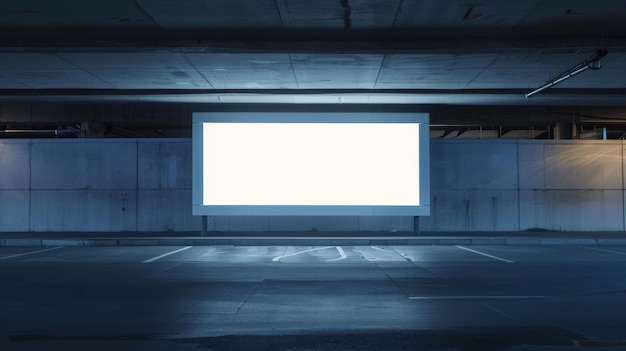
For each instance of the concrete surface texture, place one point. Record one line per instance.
(137, 185)
(17, 239)
(313, 298)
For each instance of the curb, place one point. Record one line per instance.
(303, 241)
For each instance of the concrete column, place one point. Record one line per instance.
(91, 130)
(565, 131)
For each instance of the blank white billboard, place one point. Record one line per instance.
(310, 164)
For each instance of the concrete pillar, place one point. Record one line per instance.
(565, 131)
(91, 130)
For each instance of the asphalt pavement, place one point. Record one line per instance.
(321, 297)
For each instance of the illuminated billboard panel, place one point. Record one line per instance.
(310, 164)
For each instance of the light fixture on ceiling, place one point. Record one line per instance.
(592, 62)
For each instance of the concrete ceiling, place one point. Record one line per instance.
(490, 52)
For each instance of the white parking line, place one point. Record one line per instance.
(278, 258)
(30, 253)
(502, 313)
(486, 297)
(484, 254)
(166, 254)
(604, 250)
(341, 253)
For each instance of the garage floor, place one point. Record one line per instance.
(313, 298)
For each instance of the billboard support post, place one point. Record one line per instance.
(416, 225)
(204, 226)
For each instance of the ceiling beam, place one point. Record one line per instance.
(319, 44)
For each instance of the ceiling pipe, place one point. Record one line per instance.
(20, 133)
(592, 62)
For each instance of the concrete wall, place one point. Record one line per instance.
(499, 185)
(14, 185)
(145, 185)
(96, 185)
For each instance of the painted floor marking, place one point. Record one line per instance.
(486, 297)
(604, 250)
(378, 248)
(502, 313)
(166, 254)
(30, 253)
(484, 254)
(278, 258)
(341, 253)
